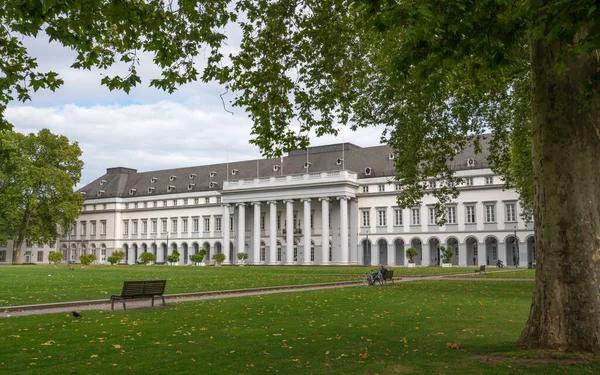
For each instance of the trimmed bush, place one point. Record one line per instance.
(55, 257)
(147, 257)
(219, 258)
(174, 257)
(87, 259)
(411, 253)
(197, 258)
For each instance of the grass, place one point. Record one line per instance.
(516, 274)
(24, 285)
(404, 329)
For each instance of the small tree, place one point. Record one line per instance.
(411, 253)
(219, 258)
(55, 257)
(446, 253)
(203, 252)
(174, 257)
(119, 254)
(147, 257)
(113, 259)
(242, 257)
(197, 258)
(87, 259)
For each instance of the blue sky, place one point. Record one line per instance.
(147, 129)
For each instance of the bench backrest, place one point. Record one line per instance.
(143, 287)
(388, 274)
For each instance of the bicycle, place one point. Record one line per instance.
(368, 279)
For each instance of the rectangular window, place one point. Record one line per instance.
(145, 204)
(207, 224)
(125, 227)
(40, 256)
(469, 181)
(262, 221)
(398, 187)
(218, 224)
(431, 184)
(74, 229)
(365, 189)
(173, 225)
(164, 225)
(381, 187)
(218, 199)
(312, 220)
(83, 228)
(195, 225)
(92, 228)
(398, 217)
(155, 204)
(134, 226)
(195, 200)
(490, 213)
(154, 226)
(165, 204)
(470, 214)
(144, 226)
(231, 223)
(103, 228)
(366, 220)
(432, 216)
(278, 220)
(184, 224)
(489, 180)
(186, 201)
(510, 212)
(381, 218)
(416, 216)
(174, 202)
(207, 200)
(451, 215)
(2, 255)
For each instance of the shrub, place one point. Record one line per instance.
(119, 254)
(147, 257)
(55, 257)
(113, 259)
(411, 253)
(446, 253)
(87, 259)
(174, 257)
(197, 258)
(242, 257)
(203, 252)
(219, 258)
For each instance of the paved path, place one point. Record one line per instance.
(52, 308)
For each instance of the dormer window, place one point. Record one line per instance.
(212, 185)
(132, 191)
(191, 186)
(172, 178)
(192, 176)
(276, 167)
(339, 161)
(431, 184)
(391, 156)
(213, 173)
(170, 188)
(153, 180)
(368, 171)
(82, 193)
(234, 172)
(151, 190)
(307, 164)
(102, 182)
(470, 163)
(100, 193)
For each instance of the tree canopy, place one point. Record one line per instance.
(37, 180)
(437, 74)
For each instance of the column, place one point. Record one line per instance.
(354, 246)
(462, 254)
(289, 232)
(375, 254)
(481, 254)
(426, 258)
(241, 237)
(226, 234)
(307, 233)
(344, 258)
(325, 230)
(130, 255)
(391, 254)
(272, 232)
(256, 235)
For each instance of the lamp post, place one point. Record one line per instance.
(516, 242)
(69, 249)
(367, 248)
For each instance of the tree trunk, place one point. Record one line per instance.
(565, 311)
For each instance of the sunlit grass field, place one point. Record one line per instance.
(24, 285)
(516, 274)
(419, 327)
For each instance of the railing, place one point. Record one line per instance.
(295, 178)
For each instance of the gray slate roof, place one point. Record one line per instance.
(119, 181)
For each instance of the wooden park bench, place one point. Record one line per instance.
(481, 270)
(388, 275)
(134, 289)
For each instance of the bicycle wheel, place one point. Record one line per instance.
(367, 279)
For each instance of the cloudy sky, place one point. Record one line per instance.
(147, 129)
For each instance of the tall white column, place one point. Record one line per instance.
(325, 231)
(289, 231)
(391, 254)
(241, 237)
(426, 258)
(307, 233)
(272, 232)
(462, 254)
(226, 234)
(344, 255)
(256, 235)
(353, 222)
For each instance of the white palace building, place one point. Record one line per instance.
(332, 205)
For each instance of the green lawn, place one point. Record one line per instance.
(516, 274)
(402, 329)
(23, 285)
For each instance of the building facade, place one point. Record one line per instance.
(332, 205)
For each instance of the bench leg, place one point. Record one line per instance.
(124, 308)
(112, 304)
(163, 298)
(152, 301)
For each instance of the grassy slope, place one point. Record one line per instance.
(361, 330)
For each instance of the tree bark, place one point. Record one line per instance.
(565, 310)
